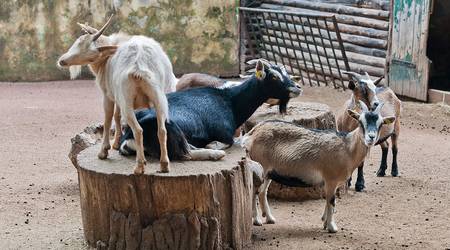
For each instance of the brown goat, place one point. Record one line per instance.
(372, 93)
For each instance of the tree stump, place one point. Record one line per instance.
(307, 114)
(198, 205)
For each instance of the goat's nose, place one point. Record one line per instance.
(371, 136)
(62, 63)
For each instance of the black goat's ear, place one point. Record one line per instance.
(259, 70)
(351, 85)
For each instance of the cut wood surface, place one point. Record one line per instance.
(307, 114)
(198, 205)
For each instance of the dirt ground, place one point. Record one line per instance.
(39, 206)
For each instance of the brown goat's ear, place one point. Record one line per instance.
(351, 85)
(389, 120)
(88, 29)
(107, 50)
(259, 70)
(353, 114)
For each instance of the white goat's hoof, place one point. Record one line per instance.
(103, 154)
(217, 155)
(332, 228)
(270, 220)
(164, 167)
(257, 222)
(139, 168)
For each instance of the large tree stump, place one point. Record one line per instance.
(198, 205)
(307, 114)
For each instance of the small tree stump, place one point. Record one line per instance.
(307, 114)
(198, 205)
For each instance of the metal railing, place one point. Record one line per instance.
(308, 45)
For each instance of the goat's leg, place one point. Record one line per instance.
(217, 145)
(138, 137)
(360, 182)
(265, 204)
(108, 107)
(256, 216)
(118, 132)
(162, 137)
(384, 154)
(330, 191)
(324, 215)
(203, 154)
(394, 139)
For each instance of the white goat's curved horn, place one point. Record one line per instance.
(378, 108)
(353, 74)
(363, 106)
(88, 29)
(100, 32)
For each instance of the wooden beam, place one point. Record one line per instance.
(345, 19)
(334, 8)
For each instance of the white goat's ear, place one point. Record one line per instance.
(389, 120)
(353, 114)
(108, 50)
(259, 70)
(88, 29)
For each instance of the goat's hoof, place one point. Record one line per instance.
(164, 167)
(217, 155)
(381, 173)
(332, 228)
(359, 188)
(116, 145)
(139, 170)
(257, 222)
(395, 173)
(103, 154)
(270, 220)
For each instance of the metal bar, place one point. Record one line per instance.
(276, 33)
(303, 54)
(344, 56)
(295, 54)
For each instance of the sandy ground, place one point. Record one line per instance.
(39, 206)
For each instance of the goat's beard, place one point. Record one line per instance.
(75, 71)
(282, 105)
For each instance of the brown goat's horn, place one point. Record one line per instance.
(363, 106)
(100, 32)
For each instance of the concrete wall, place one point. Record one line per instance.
(198, 35)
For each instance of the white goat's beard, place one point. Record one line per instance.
(75, 71)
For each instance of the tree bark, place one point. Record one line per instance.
(307, 114)
(198, 205)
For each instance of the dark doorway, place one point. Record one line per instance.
(438, 50)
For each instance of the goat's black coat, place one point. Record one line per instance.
(202, 115)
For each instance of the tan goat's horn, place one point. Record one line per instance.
(100, 32)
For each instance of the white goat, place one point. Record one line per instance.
(296, 156)
(132, 72)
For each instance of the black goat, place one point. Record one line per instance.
(200, 116)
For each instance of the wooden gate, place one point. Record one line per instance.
(408, 64)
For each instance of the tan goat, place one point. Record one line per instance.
(296, 156)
